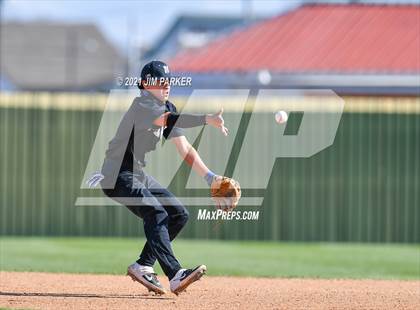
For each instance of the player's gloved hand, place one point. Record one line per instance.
(225, 192)
(94, 179)
(216, 120)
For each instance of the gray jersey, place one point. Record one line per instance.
(137, 135)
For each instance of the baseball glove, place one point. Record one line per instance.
(225, 192)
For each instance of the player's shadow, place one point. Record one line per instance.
(81, 295)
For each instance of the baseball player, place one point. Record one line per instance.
(150, 118)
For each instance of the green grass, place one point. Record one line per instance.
(265, 259)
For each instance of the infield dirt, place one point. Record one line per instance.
(33, 290)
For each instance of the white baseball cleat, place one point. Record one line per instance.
(146, 276)
(185, 277)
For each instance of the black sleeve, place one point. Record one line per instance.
(185, 120)
(172, 131)
(175, 132)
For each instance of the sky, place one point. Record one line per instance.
(141, 23)
(127, 23)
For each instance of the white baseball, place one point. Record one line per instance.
(281, 117)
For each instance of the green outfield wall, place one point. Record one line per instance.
(363, 188)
